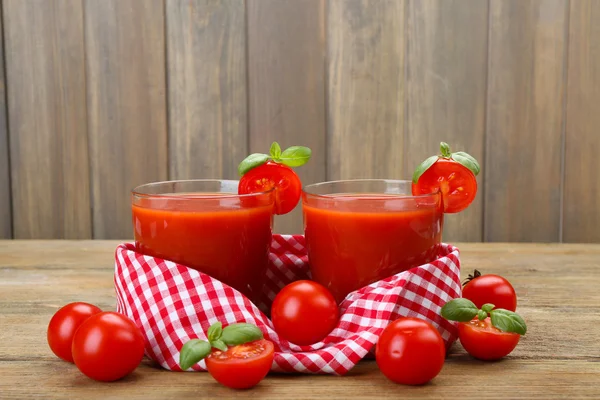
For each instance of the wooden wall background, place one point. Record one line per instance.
(98, 96)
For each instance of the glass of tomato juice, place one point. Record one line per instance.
(207, 226)
(361, 231)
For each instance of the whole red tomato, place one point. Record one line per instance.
(242, 366)
(304, 312)
(494, 289)
(108, 346)
(273, 175)
(485, 342)
(63, 325)
(410, 351)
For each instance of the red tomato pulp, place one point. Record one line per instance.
(217, 235)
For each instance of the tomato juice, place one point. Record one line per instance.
(221, 234)
(355, 239)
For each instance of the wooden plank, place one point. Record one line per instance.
(206, 64)
(125, 64)
(37, 277)
(5, 206)
(286, 77)
(47, 114)
(582, 181)
(524, 120)
(366, 42)
(446, 92)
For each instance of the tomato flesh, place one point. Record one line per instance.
(304, 312)
(108, 346)
(455, 181)
(242, 366)
(484, 341)
(410, 351)
(492, 289)
(63, 325)
(282, 178)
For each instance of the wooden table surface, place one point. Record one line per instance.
(559, 297)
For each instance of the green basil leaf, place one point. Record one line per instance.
(241, 333)
(467, 160)
(424, 166)
(214, 332)
(481, 315)
(275, 151)
(219, 344)
(508, 321)
(462, 310)
(295, 156)
(192, 352)
(252, 161)
(487, 307)
(445, 149)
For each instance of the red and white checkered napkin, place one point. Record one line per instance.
(172, 304)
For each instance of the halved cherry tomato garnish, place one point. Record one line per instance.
(484, 341)
(242, 366)
(283, 179)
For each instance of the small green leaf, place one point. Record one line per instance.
(295, 156)
(219, 344)
(508, 321)
(487, 307)
(252, 161)
(192, 352)
(424, 166)
(214, 332)
(468, 161)
(275, 151)
(462, 310)
(481, 315)
(445, 149)
(241, 333)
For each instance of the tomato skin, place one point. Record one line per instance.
(304, 312)
(108, 346)
(491, 289)
(286, 182)
(63, 325)
(485, 342)
(456, 182)
(410, 351)
(237, 370)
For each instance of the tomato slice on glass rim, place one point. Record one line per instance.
(242, 366)
(272, 175)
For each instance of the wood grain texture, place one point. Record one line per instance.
(525, 120)
(286, 78)
(446, 92)
(206, 66)
(366, 45)
(5, 205)
(47, 113)
(125, 64)
(582, 181)
(37, 277)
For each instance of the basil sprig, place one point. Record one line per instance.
(219, 338)
(464, 310)
(460, 157)
(294, 156)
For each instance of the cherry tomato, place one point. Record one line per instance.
(456, 182)
(410, 351)
(63, 325)
(492, 289)
(242, 366)
(304, 312)
(484, 341)
(108, 346)
(273, 175)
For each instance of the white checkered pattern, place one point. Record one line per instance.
(172, 304)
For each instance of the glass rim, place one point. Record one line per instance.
(226, 195)
(367, 180)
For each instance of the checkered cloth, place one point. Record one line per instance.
(172, 304)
